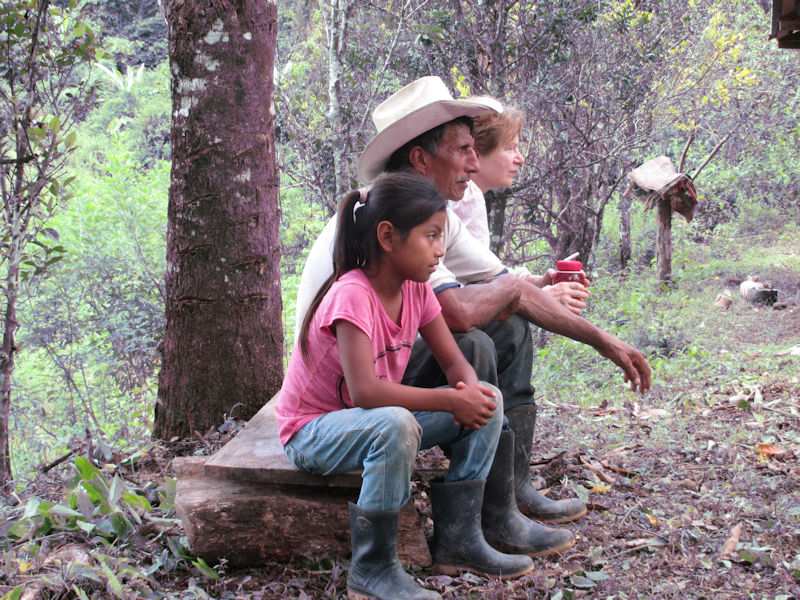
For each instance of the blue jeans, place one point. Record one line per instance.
(384, 443)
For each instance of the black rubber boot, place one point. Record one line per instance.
(504, 526)
(458, 542)
(522, 420)
(375, 570)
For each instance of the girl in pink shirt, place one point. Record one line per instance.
(342, 406)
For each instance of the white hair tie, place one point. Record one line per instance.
(356, 206)
(364, 196)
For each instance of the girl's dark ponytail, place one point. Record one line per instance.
(345, 230)
(347, 253)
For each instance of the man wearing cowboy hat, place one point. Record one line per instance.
(421, 128)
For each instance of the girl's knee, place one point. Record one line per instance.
(400, 430)
(496, 422)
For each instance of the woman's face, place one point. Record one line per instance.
(500, 166)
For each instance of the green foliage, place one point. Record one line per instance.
(91, 329)
(126, 528)
(36, 134)
(45, 52)
(136, 104)
(93, 505)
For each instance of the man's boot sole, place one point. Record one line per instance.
(511, 549)
(552, 521)
(352, 595)
(454, 571)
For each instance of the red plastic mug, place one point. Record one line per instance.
(568, 270)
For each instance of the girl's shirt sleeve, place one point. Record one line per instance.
(430, 305)
(349, 301)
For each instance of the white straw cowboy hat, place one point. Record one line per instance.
(421, 105)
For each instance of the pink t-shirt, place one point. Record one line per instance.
(317, 387)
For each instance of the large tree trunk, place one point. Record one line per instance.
(222, 348)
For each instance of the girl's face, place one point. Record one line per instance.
(500, 166)
(417, 256)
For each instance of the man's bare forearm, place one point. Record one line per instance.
(537, 306)
(472, 306)
(540, 308)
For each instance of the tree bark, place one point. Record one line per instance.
(664, 239)
(496, 203)
(337, 22)
(7, 354)
(222, 348)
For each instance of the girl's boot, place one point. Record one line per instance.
(375, 570)
(458, 542)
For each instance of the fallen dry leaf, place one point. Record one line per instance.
(651, 542)
(771, 466)
(794, 350)
(653, 520)
(730, 544)
(651, 414)
(770, 450)
(619, 470)
(688, 483)
(704, 525)
(620, 451)
(597, 470)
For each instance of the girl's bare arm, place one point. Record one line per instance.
(468, 405)
(447, 353)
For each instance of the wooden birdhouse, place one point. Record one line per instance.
(658, 185)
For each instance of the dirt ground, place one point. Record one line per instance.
(693, 493)
(682, 506)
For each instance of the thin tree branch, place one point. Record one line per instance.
(713, 152)
(685, 150)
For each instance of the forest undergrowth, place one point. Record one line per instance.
(693, 488)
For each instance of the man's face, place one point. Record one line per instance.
(450, 168)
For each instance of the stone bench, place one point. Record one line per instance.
(248, 504)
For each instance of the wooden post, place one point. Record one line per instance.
(664, 239)
(625, 229)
